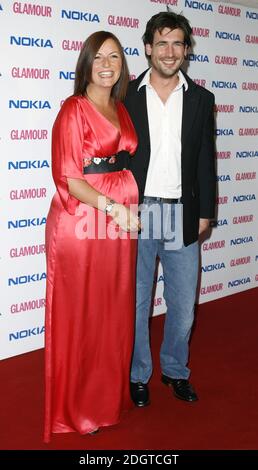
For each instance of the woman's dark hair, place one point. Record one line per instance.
(167, 19)
(83, 72)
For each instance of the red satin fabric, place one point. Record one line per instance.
(90, 282)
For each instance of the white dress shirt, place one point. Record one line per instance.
(165, 125)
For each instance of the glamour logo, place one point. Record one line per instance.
(66, 75)
(26, 279)
(31, 193)
(217, 245)
(200, 32)
(211, 288)
(218, 223)
(250, 63)
(25, 223)
(250, 131)
(249, 175)
(243, 219)
(131, 51)
(239, 261)
(247, 154)
(250, 86)
(200, 81)
(30, 9)
(28, 164)
(222, 200)
(29, 305)
(37, 330)
(26, 72)
(248, 109)
(198, 5)
(252, 15)
(226, 35)
(241, 240)
(213, 267)
(220, 84)
(223, 155)
(30, 42)
(239, 282)
(30, 250)
(225, 60)
(79, 16)
(29, 134)
(244, 197)
(29, 104)
(166, 2)
(68, 45)
(251, 39)
(124, 21)
(222, 132)
(223, 178)
(224, 108)
(197, 58)
(231, 11)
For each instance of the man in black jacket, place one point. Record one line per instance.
(174, 170)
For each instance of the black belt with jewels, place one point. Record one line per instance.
(109, 164)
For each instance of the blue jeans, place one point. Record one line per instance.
(162, 236)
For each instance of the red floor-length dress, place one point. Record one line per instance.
(90, 281)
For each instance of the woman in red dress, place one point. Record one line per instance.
(91, 238)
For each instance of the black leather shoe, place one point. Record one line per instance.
(139, 394)
(182, 388)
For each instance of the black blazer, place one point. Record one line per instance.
(198, 168)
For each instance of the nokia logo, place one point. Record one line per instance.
(225, 35)
(30, 42)
(197, 58)
(37, 330)
(244, 197)
(213, 267)
(79, 16)
(226, 132)
(66, 75)
(220, 84)
(15, 281)
(252, 15)
(238, 282)
(131, 51)
(218, 223)
(247, 154)
(25, 223)
(28, 164)
(250, 63)
(248, 109)
(241, 240)
(223, 178)
(198, 5)
(29, 104)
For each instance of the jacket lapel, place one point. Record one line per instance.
(190, 107)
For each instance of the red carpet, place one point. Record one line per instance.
(224, 358)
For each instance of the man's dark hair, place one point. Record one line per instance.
(167, 19)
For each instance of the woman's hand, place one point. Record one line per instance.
(125, 218)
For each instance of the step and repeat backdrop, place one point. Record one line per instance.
(39, 46)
